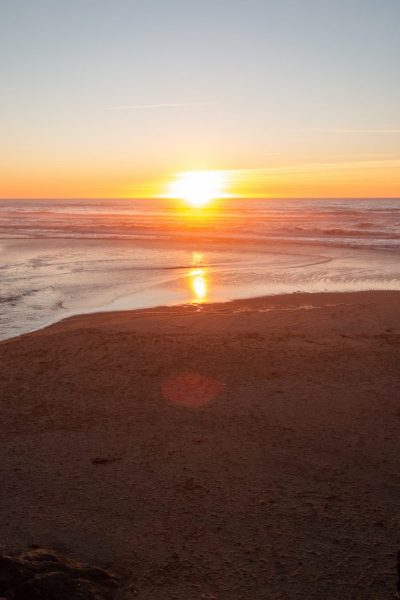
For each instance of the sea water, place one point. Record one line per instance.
(60, 258)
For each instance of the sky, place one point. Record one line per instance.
(111, 98)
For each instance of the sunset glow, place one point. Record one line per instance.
(199, 119)
(198, 188)
(199, 299)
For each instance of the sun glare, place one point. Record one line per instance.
(198, 188)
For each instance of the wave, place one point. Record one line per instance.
(342, 231)
(347, 222)
(15, 298)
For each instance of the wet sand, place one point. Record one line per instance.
(248, 450)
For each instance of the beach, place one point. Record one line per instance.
(199, 300)
(243, 450)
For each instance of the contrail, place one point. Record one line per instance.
(164, 105)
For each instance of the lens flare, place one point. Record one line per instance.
(191, 389)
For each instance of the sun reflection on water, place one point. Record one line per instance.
(198, 278)
(198, 283)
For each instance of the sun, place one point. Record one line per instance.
(198, 188)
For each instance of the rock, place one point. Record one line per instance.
(45, 575)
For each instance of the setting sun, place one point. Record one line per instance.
(198, 188)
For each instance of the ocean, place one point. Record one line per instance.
(60, 258)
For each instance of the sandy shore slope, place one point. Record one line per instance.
(248, 450)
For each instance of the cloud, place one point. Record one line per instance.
(161, 105)
(355, 130)
(317, 167)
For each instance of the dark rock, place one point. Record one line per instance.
(44, 575)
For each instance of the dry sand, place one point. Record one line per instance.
(248, 450)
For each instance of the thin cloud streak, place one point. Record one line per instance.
(162, 105)
(355, 130)
(306, 168)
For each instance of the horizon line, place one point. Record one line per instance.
(258, 197)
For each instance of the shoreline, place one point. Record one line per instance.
(54, 286)
(249, 449)
(199, 306)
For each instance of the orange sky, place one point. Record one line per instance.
(367, 178)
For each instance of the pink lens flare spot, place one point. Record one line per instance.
(191, 389)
